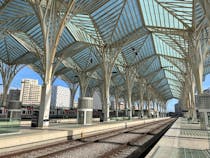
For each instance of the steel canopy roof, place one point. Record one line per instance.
(152, 35)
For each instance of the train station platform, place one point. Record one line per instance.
(182, 140)
(30, 137)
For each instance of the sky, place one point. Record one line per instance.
(26, 72)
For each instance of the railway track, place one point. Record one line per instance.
(119, 143)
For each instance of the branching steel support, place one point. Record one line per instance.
(73, 89)
(116, 95)
(8, 73)
(148, 101)
(83, 82)
(108, 56)
(52, 25)
(142, 87)
(126, 105)
(130, 74)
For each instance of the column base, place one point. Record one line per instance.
(46, 123)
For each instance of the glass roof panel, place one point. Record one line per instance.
(199, 14)
(145, 64)
(153, 69)
(65, 40)
(11, 49)
(157, 15)
(159, 57)
(138, 50)
(158, 77)
(174, 41)
(84, 23)
(35, 34)
(80, 35)
(183, 10)
(129, 21)
(86, 58)
(164, 49)
(16, 13)
(106, 18)
(173, 75)
(168, 65)
(16, 9)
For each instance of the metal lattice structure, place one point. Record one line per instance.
(162, 40)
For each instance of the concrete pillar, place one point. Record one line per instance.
(85, 110)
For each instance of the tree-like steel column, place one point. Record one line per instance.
(192, 109)
(83, 82)
(116, 95)
(101, 89)
(73, 89)
(130, 75)
(52, 16)
(126, 105)
(162, 108)
(8, 73)
(142, 87)
(157, 108)
(108, 56)
(148, 101)
(198, 49)
(206, 5)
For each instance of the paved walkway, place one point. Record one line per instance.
(182, 140)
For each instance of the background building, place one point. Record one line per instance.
(60, 97)
(178, 109)
(14, 94)
(30, 92)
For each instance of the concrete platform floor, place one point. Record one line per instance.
(29, 137)
(182, 140)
